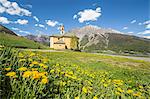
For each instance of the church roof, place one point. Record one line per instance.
(64, 35)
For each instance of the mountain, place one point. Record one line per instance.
(6, 30)
(9, 38)
(96, 39)
(39, 38)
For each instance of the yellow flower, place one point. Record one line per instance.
(36, 74)
(138, 94)
(34, 62)
(70, 73)
(141, 87)
(102, 80)
(43, 74)
(76, 97)
(84, 89)
(32, 54)
(129, 91)
(27, 74)
(44, 80)
(119, 89)
(31, 65)
(34, 69)
(11, 74)
(41, 64)
(118, 82)
(20, 55)
(7, 69)
(22, 69)
(105, 85)
(73, 77)
(95, 97)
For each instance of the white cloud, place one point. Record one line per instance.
(41, 25)
(16, 29)
(148, 26)
(51, 23)
(26, 32)
(139, 23)
(4, 20)
(125, 28)
(133, 21)
(146, 22)
(130, 32)
(75, 16)
(145, 32)
(19, 30)
(2, 9)
(147, 37)
(21, 22)
(88, 15)
(36, 18)
(13, 8)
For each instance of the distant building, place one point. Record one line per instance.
(63, 40)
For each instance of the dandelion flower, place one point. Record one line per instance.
(95, 97)
(77, 97)
(11, 74)
(138, 94)
(36, 74)
(27, 74)
(44, 80)
(129, 91)
(34, 62)
(105, 85)
(22, 69)
(84, 89)
(119, 89)
(7, 69)
(41, 64)
(32, 54)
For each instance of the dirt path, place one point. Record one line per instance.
(131, 57)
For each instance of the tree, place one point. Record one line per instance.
(74, 43)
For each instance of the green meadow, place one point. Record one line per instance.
(72, 75)
(19, 42)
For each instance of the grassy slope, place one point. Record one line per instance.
(16, 41)
(120, 68)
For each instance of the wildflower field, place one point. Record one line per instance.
(71, 75)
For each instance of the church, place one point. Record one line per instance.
(63, 40)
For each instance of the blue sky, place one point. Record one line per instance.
(45, 16)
